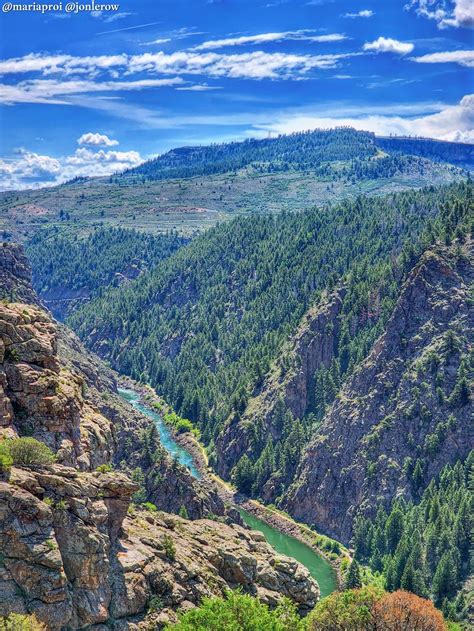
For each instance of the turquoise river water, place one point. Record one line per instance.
(318, 567)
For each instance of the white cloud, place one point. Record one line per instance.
(264, 38)
(445, 122)
(91, 138)
(389, 45)
(56, 92)
(160, 40)
(254, 65)
(199, 87)
(64, 64)
(28, 170)
(365, 13)
(113, 17)
(454, 13)
(250, 65)
(31, 170)
(462, 57)
(87, 157)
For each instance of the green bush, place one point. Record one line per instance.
(181, 425)
(150, 507)
(155, 604)
(6, 459)
(18, 622)
(168, 545)
(238, 612)
(184, 426)
(183, 512)
(345, 610)
(104, 468)
(26, 451)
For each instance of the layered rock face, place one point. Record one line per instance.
(15, 275)
(57, 531)
(290, 380)
(406, 411)
(70, 558)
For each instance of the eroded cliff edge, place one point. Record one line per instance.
(407, 409)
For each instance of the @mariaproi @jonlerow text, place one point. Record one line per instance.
(58, 7)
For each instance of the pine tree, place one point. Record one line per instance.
(444, 580)
(243, 474)
(394, 530)
(353, 578)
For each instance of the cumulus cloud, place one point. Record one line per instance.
(28, 170)
(87, 157)
(389, 45)
(454, 13)
(462, 57)
(263, 38)
(365, 13)
(31, 170)
(445, 122)
(91, 138)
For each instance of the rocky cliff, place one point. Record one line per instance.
(407, 409)
(73, 556)
(289, 381)
(15, 275)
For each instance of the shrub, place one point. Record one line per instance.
(345, 611)
(155, 604)
(104, 468)
(183, 512)
(61, 505)
(168, 545)
(18, 622)
(405, 611)
(6, 460)
(183, 426)
(150, 507)
(237, 612)
(373, 609)
(27, 451)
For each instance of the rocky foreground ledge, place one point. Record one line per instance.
(75, 554)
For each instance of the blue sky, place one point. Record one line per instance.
(94, 91)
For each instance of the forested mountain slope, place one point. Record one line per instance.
(300, 151)
(425, 546)
(189, 189)
(205, 325)
(407, 409)
(70, 271)
(454, 152)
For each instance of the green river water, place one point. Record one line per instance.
(318, 567)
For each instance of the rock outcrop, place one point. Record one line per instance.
(15, 275)
(407, 409)
(72, 555)
(290, 380)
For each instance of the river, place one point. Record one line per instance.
(166, 437)
(318, 567)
